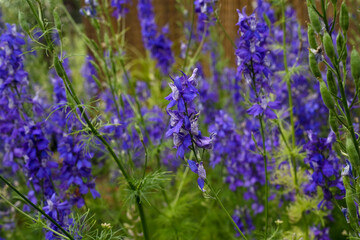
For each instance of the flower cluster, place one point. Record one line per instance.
(119, 8)
(251, 52)
(205, 10)
(75, 170)
(60, 212)
(13, 82)
(184, 121)
(38, 163)
(325, 168)
(158, 45)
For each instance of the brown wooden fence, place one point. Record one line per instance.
(166, 12)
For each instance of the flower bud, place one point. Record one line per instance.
(314, 66)
(314, 19)
(329, 47)
(333, 122)
(311, 37)
(351, 151)
(340, 46)
(58, 68)
(350, 202)
(344, 17)
(331, 82)
(355, 66)
(326, 96)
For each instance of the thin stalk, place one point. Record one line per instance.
(266, 177)
(224, 31)
(226, 211)
(181, 185)
(288, 84)
(37, 208)
(191, 32)
(262, 131)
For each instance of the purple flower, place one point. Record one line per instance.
(204, 10)
(38, 164)
(119, 8)
(325, 168)
(184, 121)
(199, 169)
(60, 212)
(154, 41)
(75, 173)
(264, 108)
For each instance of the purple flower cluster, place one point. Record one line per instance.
(240, 217)
(13, 82)
(119, 8)
(158, 45)
(75, 170)
(204, 9)
(59, 211)
(325, 168)
(38, 163)
(251, 52)
(184, 121)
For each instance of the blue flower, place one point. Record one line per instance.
(184, 120)
(325, 168)
(119, 8)
(264, 108)
(154, 41)
(199, 169)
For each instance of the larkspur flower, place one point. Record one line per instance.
(321, 233)
(154, 41)
(199, 169)
(75, 172)
(325, 168)
(184, 121)
(60, 212)
(120, 9)
(38, 163)
(205, 10)
(265, 108)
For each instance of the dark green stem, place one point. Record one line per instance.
(143, 218)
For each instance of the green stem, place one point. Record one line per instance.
(288, 84)
(226, 211)
(262, 131)
(36, 207)
(143, 218)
